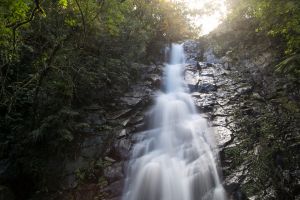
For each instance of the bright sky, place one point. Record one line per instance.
(211, 21)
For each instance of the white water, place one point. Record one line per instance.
(175, 160)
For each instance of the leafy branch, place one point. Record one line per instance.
(14, 26)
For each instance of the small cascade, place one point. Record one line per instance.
(177, 158)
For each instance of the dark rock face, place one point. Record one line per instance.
(96, 171)
(259, 115)
(207, 87)
(218, 95)
(114, 172)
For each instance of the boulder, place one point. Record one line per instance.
(207, 87)
(121, 149)
(114, 189)
(114, 172)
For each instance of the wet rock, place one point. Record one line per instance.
(210, 57)
(114, 172)
(196, 94)
(155, 80)
(95, 118)
(224, 111)
(207, 87)
(244, 90)
(237, 176)
(257, 97)
(125, 122)
(139, 90)
(207, 74)
(138, 127)
(118, 114)
(121, 149)
(122, 133)
(114, 189)
(223, 102)
(92, 147)
(222, 121)
(205, 102)
(72, 165)
(191, 78)
(137, 119)
(224, 136)
(131, 101)
(109, 159)
(226, 62)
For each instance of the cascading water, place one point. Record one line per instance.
(174, 160)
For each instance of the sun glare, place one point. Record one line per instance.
(207, 22)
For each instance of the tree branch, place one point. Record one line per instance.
(82, 17)
(16, 25)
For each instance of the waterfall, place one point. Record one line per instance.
(176, 159)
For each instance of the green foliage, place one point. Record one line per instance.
(270, 134)
(251, 23)
(278, 19)
(57, 56)
(290, 65)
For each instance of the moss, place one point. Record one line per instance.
(268, 132)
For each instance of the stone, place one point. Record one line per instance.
(125, 122)
(118, 114)
(109, 159)
(222, 120)
(223, 136)
(138, 127)
(257, 96)
(122, 133)
(220, 111)
(131, 101)
(237, 176)
(155, 80)
(95, 118)
(209, 74)
(114, 172)
(223, 102)
(122, 148)
(207, 87)
(114, 189)
(94, 107)
(72, 165)
(196, 94)
(92, 146)
(244, 90)
(137, 119)
(209, 56)
(205, 102)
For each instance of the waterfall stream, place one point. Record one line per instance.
(176, 159)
